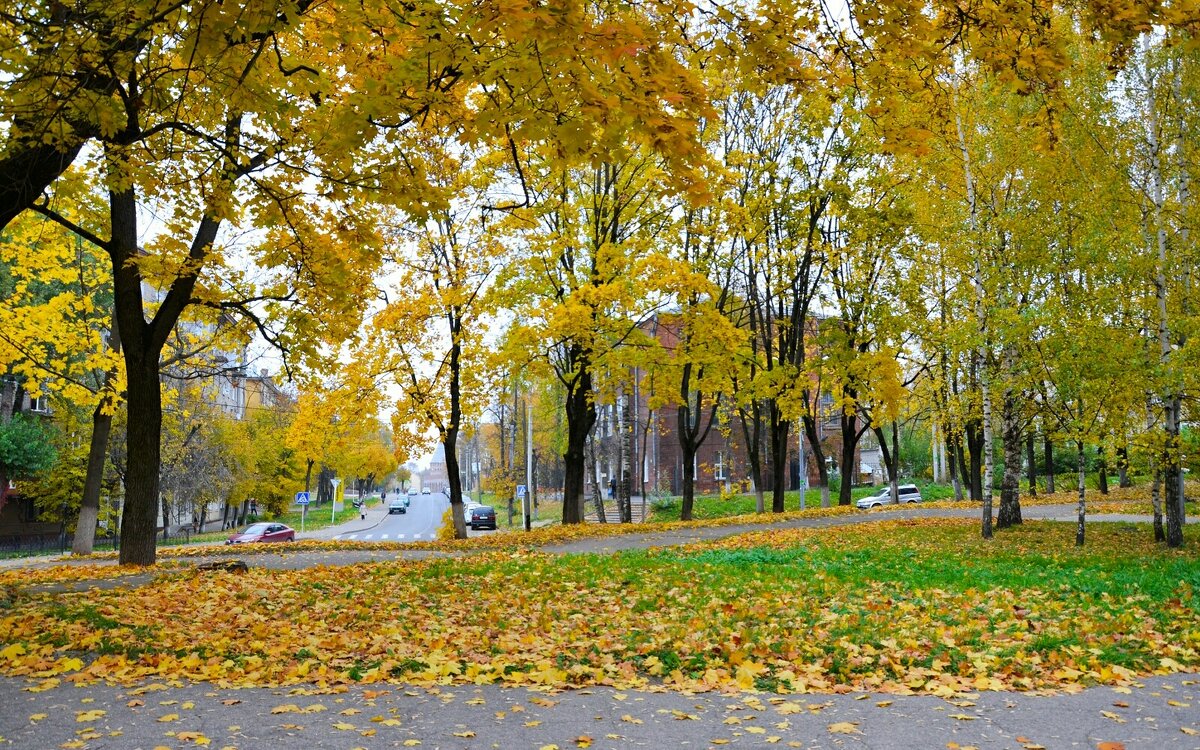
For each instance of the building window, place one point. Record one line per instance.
(719, 467)
(40, 405)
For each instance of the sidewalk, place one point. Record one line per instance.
(1156, 714)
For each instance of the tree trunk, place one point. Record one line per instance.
(625, 485)
(818, 453)
(1082, 508)
(688, 456)
(144, 404)
(975, 449)
(1031, 459)
(93, 481)
(1048, 455)
(780, 429)
(1010, 483)
(849, 443)
(581, 417)
(1156, 502)
(454, 480)
(28, 169)
(752, 430)
(1169, 461)
(593, 471)
(1102, 467)
(1123, 479)
(954, 445)
(1172, 476)
(890, 459)
(988, 458)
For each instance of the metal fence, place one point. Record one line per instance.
(29, 545)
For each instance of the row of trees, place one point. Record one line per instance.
(924, 175)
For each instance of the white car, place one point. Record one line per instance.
(909, 493)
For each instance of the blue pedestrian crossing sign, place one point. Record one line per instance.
(301, 498)
(520, 490)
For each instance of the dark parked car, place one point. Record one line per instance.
(263, 532)
(482, 517)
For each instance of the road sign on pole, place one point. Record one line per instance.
(520, 490)
(302, 498)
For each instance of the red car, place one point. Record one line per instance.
(263, 532)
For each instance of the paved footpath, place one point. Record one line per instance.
(1159, 712)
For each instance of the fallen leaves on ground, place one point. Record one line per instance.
(898, 606)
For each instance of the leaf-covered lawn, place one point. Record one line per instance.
(898, 606)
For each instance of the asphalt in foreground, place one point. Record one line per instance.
(1158, 713)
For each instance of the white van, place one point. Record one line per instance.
(908, 494)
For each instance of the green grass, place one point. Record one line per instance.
(713, 506)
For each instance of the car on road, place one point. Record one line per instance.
(424, 490)
(399, 504)
(909, 493)
(412, 491)
(263, 532)
(482, 517)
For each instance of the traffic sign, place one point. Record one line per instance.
(520, 490)
(302, 498)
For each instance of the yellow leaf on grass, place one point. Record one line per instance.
(844, 727)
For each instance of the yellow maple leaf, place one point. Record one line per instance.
(37, 717)
(844, 727)
(467, 733)
(169, 717)
(411, 743)
(82, 716)
(343, 725)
